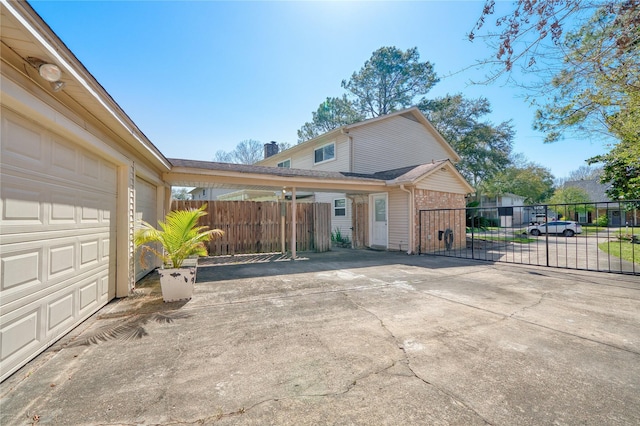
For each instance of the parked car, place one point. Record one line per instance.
(564, 227)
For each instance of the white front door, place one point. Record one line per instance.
(379, 220)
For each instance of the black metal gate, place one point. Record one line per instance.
(586, 236)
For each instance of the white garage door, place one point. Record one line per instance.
(57, 230)
(146, 205)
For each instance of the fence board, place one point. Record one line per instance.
(360, 224)
(254, 227)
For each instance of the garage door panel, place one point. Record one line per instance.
(20, 296)
(146, 205)
(59, 311)
(21, 270)
(63, 208)
(29, 205)
(22, 144)
(64, 158)
(21, 204)
(25, 331)
(108, 175)
(62, 258)
(57, 259)
(19, 334)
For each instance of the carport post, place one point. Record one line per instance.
(283, 216)
(293, 223)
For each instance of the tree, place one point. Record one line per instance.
(584, 173)
(331, 114)
(599, 79)
(390, 80)
(483, 146)
(622, 170)
(248, 151)
(180, 193)
(597, 87)
(527, 179)
(569, 200)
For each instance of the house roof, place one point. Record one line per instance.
(593, 187)
(423, 171)
(228, 175)
(242, 176)
(412, 113)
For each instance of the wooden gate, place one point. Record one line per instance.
(255, 226)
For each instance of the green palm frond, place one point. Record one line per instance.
(179, 235)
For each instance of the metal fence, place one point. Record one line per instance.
(601, 236)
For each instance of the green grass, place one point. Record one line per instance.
(625, 250)
(592, 229)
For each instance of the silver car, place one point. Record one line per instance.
(564, 227)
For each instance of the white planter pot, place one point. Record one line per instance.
(177, 283)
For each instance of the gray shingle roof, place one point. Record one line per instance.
(274, 171)
(404, 173)
(593, 187)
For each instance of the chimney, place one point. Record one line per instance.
(270, 149)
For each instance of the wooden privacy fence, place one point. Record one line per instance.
(255, 226)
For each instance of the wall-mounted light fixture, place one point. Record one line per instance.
(50, 72)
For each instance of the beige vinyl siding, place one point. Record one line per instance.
(394, 143)
(304, 158)
(342, 222)
(442, 181)
(398, 220)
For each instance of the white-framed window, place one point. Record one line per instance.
(286, 164)
(340, 207)
(324, 153)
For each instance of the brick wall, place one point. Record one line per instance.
(434, 221)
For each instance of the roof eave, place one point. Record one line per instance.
(64, 58)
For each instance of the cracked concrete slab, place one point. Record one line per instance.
(349, 337)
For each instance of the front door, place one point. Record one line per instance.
(379, 220)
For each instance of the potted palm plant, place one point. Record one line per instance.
(180, 238)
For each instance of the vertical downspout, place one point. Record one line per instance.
(293, 223)
(411, 218)
(354, 222)
(351, 149)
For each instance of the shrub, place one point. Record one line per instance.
(602, 220)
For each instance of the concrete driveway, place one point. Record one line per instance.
(349, 337)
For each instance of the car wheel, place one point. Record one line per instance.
(568, 233)
(535, 232)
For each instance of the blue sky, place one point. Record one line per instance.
(201, 76)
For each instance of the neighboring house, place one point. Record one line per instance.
(390, 147)
(207, 193)
(76, 173)
(494, 208)
(615, 211)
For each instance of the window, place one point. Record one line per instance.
(324, 153)
(286, 164)
(340, 207)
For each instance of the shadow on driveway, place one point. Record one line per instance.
(222, 268)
